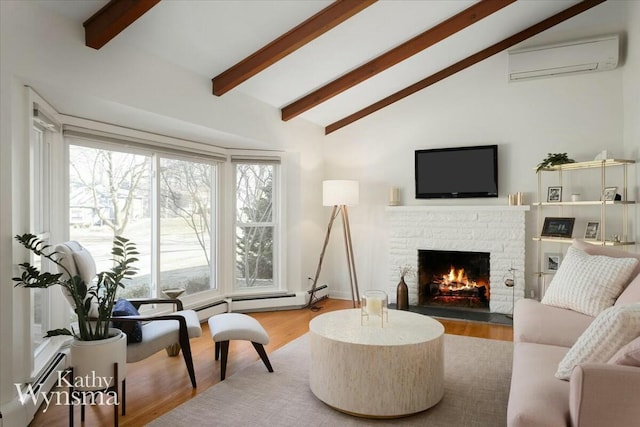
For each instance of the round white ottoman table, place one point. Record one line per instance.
(363, 369)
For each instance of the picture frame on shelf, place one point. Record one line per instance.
(592, 229)
(609, 194)
(552, 261)
(558, 227)
(554, 194)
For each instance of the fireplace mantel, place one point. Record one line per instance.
(497, 229)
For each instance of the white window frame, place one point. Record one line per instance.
(225, 200)
(98, 135)
(216, 191)
(42, 172)
(279, 284)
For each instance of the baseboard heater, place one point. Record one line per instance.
(47, 379)
(259, 297)
(208, 310)
(53, 366)
(290, 300)
(284, 301)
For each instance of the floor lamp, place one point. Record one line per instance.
(339, 194)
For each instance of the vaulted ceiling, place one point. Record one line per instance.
(328, 62)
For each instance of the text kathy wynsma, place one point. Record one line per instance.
(65, 396)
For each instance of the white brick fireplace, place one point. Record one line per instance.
(499, 230)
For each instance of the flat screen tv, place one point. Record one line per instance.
(461, 172)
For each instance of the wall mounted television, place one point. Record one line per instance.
(460, 172)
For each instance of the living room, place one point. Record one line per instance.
(135, 89)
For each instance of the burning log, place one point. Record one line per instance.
(456, 284)
(454, 288)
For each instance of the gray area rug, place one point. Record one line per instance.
(477, 378)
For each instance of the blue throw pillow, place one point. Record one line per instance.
(122, 307)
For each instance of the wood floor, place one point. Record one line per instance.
(160, 383)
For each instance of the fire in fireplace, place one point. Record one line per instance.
(453, 279)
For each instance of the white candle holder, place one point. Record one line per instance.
(374, 304)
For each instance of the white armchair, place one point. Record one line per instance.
(158, 332)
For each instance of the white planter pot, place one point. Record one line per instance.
(93, 361)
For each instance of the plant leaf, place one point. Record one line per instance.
(58, 332)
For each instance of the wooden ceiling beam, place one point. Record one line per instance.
(394, 56)
(318, 24)
(114, 17)
(467, 62)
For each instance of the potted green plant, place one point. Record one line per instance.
(88, 298)
(97, 348)
(554, 159)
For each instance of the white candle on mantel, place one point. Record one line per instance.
(394, 196)
(374, 306)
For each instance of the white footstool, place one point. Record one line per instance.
(236, 326)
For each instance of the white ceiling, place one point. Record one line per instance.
(208, 37)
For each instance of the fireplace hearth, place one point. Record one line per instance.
(454, 279)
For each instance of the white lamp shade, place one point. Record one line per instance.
(340, 192)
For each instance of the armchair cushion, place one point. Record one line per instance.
(159, 334)
(133, 330)
(79, 262)
(85, 264)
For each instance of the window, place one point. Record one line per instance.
(179, 202)
(165, 204)
(186, 218)
(43, 305)
(256, 219)
(40, 225)
(110, 195)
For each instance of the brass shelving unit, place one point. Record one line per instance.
(597, 165)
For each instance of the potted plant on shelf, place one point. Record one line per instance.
(554, 159)
(92, 303)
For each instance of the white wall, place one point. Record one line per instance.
(129, 88)
(580, 115)
(630, 80)
(631, 98)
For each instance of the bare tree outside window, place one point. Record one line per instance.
(254, 225)
(110, 196)
(109, 184)
(185, 225)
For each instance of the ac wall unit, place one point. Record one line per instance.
(579, 56)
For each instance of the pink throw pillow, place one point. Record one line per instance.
(628, 355)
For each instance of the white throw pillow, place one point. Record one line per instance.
(588, 283)
(608, 333)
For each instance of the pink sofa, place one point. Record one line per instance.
(597, 394)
